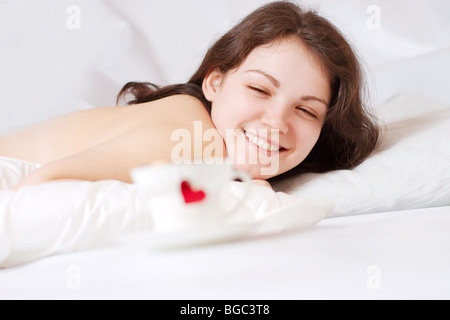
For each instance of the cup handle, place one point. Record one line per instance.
(245, 178)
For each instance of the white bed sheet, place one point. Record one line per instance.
(392, 255)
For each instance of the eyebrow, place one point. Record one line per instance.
(276, 83)
(314, 98)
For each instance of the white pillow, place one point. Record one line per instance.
(409, 169)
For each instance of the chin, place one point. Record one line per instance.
(258, 171)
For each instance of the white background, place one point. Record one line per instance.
(54, 60)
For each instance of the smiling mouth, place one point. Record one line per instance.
(263, 144)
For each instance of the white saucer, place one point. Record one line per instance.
(189, 238)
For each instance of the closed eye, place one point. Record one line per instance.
(257, 90)
(307, 112)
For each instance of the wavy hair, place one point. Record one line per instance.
(349, 133)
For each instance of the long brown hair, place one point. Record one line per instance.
(349, 133)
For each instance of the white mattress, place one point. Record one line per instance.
(392, 255)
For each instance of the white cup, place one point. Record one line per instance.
(189, 196)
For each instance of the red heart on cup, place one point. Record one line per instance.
(190, 195)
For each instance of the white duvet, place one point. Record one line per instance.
(61, 217)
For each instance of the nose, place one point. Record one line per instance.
(275, 118)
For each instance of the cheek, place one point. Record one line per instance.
(219, 117)
(307, 138)
(228, 112)
(315, 135)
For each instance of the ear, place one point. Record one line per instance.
(211, 84)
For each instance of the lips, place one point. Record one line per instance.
(262, 143)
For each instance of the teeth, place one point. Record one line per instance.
(261, 143)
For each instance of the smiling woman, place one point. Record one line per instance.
(282, 88)
(323, 71)
(264, 99)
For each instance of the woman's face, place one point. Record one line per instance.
(271, 109)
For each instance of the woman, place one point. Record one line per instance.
(283, 86)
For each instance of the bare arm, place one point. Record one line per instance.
(112, 159)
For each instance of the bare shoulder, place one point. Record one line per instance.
(186, 128)
(186, 101)
(182, 103)
(181, 107)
